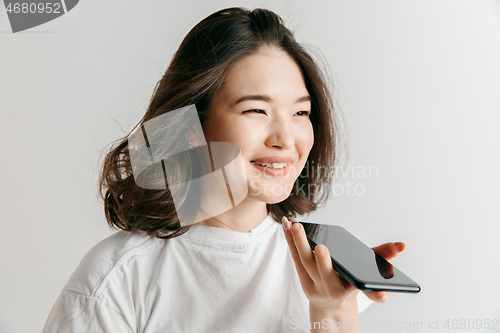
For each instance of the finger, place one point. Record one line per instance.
(389, 250)
(331, 280)
(301, 271)
(305, 253)
(377, 296)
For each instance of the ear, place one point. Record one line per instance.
(192, 136)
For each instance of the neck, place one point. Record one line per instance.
(244, 217)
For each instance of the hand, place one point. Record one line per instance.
(326, 290)
(387, 251)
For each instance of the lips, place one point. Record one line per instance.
(281, 172)
(274, 159)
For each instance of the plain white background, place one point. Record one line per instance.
(418, 82)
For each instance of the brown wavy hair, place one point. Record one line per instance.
(195, 74)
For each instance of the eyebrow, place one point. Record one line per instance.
(268, 99)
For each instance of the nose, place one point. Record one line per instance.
(281, 133)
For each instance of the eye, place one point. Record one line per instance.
(304, 113)
(255, 110)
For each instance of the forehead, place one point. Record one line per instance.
(270, 72)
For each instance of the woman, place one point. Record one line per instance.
(254, 86)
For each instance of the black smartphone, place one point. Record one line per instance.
(357, 263)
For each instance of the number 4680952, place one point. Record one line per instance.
(32, 8)
(471, 324)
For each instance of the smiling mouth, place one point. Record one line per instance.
(272, 165)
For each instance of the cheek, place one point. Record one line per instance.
(243, 135)
(305, 144)
(218, 130)
(306, 140)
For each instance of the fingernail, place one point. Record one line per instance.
(383, 299)
(286, 223)
(294, 220)
(295, 226)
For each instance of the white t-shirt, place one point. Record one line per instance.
(207, 280)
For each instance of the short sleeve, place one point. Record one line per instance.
(75, 312)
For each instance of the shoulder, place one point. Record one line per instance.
(106, 257)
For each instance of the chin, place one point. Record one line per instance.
(275, 200)
(270, 194)
(271, 199)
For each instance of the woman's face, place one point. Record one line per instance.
(264, 107)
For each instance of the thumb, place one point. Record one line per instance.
(389, 250)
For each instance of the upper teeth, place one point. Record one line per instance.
(273, 165)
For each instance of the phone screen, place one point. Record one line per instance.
(358, 263)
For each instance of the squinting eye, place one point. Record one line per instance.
(252, 110)
(304, 113)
